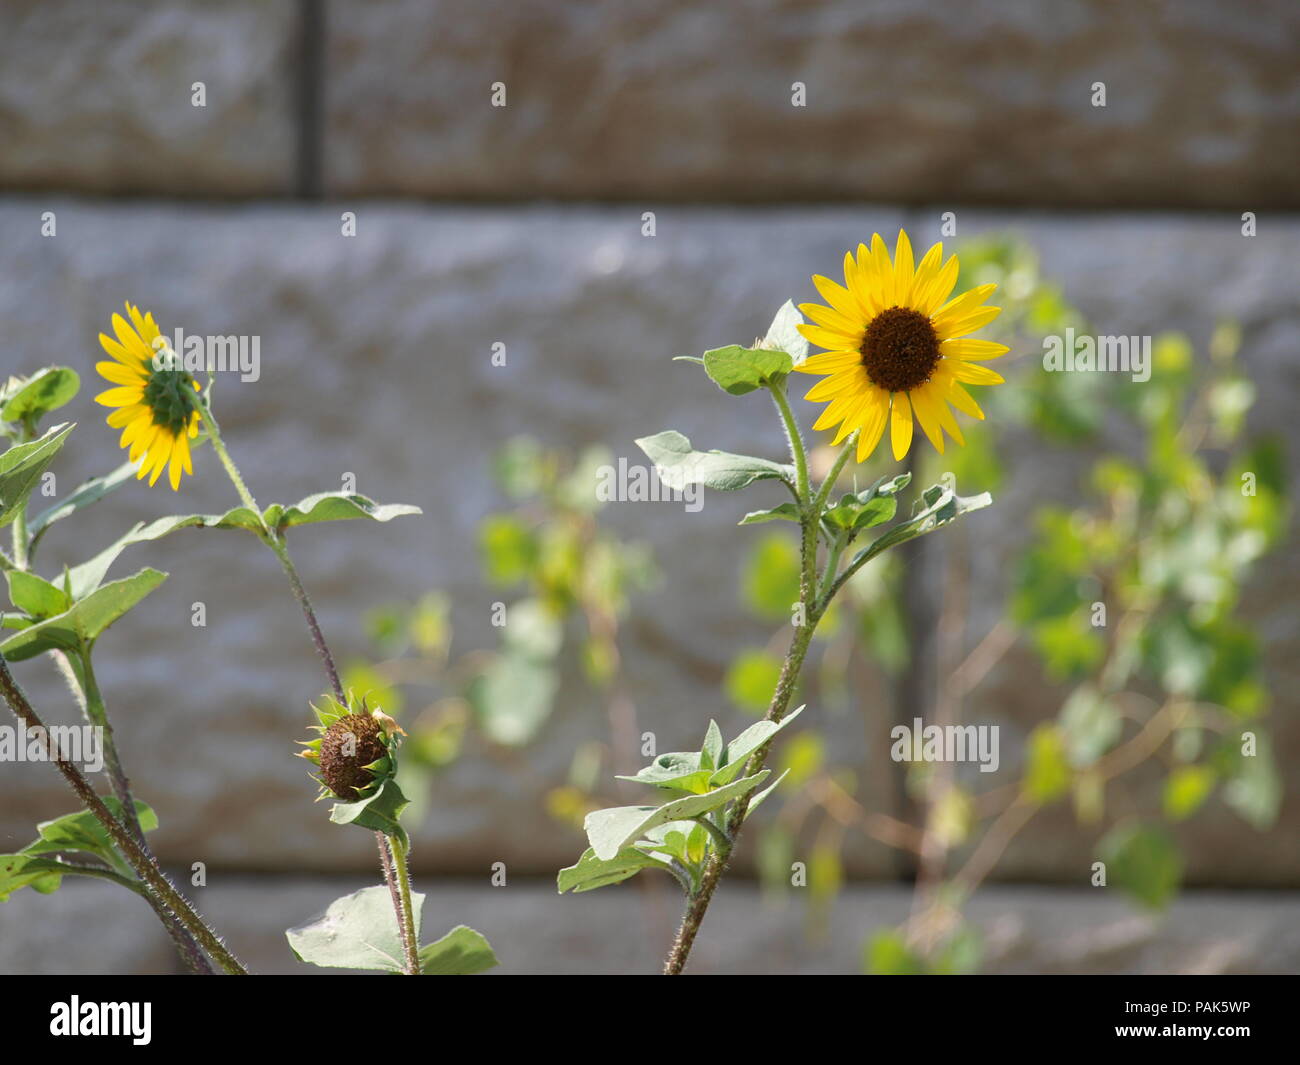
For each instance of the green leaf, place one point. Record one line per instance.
(90, 492)
(513, 697)
(1186, 788)
(1091, 724)
(739, 749)
(738, 370)
(333, 506)
(86, 619)
(1047, 769)
(43, 875)
(357, 931)
(46, 390)
(609, 831)
(380, 812)
(771, 577)
(711, 752)
(82, 831)
(591, 872)
(21, 468)
(1144, 862)
(783, 334)
(34, 595)
(757, 800)
(788, 511)
(751, 678)
(937, 507)
(675, 771)
(679, 465)
(461, 952)
(887, 954)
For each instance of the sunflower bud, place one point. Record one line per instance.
(355, 751)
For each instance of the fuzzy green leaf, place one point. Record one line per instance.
(679, 465)
(380, 812)
(34, 595)
(787, 511)
(21, 468)
(333, 506)
(739, 749)
(86, 619)
(357, 931)
(609, 831)
(90, 492)
(461, 952)
(738, 370)
(46, 390)
(591, 872)
(783, 334)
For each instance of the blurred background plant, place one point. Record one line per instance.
(569, 580)
(1128, 601)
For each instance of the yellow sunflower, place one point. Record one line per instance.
(156, 409)
(896, 346)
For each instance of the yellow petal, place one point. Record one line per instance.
(939, 288)
(830, 362)
(836, 410)
(884, 272)
(900, 425)
(928, 417)
(861, 403)
(926, 271)
(119, 374)
(904, 272)
(126, 415)
(120, 397)
(829, 339)
(975, 350)
(958, 327)
(873, 428)
(832, 319)
(974, 374)
(963, 304)
(934, 394)
(961, 399)
(119, 353)
(852, 380)
(839, 297)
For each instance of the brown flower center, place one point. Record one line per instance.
(349, 745)
(900, 349)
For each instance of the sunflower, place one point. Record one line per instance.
(156, 408)
(896, 346)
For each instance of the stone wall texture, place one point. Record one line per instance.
(376, 361)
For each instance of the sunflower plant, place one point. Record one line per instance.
(898, 352)
(164, 413)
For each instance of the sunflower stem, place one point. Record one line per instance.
(96, 711)
(154, 878)
(406, 913)
(810, 521)
(797, 451)
(275, 541)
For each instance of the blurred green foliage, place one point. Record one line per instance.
(568, 580)
(1129, 598)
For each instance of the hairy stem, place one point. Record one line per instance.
(97, 714)
(810, 518)
(406, 915)
(148, 872)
